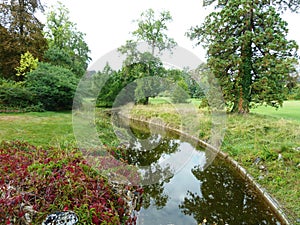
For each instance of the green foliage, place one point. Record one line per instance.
(152, 30)
(58, 57)
(20, 31)
(15, 97)
(66, 43)
(53, 86)
(179, 93)
(108, 84)
(248, 52)
(130, 80)
(283, 5)
(294, 93)
(27, 64)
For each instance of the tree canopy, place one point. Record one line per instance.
(152, 30)
(67, 46)
(20, 31)
(247, 50)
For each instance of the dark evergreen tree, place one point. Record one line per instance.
(20, 31)
(248, 52)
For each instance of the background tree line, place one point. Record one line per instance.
(40, 65)
(247, 51)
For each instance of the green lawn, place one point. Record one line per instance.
(42, 129)
(290, 110)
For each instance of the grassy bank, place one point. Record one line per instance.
(274, 140)
(269, 139)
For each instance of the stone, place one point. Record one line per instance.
(257, 161)
(61, 218)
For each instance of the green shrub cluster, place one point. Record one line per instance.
(48, 87)
(15, 96)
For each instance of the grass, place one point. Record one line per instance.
(290, 110)
(40, 129)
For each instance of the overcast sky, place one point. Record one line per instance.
(108, 24)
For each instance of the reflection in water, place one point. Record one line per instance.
(225, 198)
(192, 194)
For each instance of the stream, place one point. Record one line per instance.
(179, 188)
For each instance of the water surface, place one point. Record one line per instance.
(181, 189)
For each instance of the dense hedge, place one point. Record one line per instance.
(15, 96)
(53, 86)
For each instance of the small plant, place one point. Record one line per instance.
(27, 64)
(36, 182)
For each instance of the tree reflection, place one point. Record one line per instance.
(224, 198)
(145, 152)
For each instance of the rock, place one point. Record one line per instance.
(280, 158)
(262, 167)
(62, 218)
(29, 213)
(257, 161)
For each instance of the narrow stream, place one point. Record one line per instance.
(190, 194)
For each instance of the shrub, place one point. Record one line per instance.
(53, 86)
(14, 96)
(179, 93)
(43, 181)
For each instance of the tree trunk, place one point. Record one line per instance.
(243, 94)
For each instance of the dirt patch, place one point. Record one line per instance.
(12, 118)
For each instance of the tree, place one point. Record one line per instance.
(144, 64)
(27, 64)
(248, 52)
(283, 5)
(152, 30)
(20, 32)
(66, 42)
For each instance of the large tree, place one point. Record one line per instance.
(248, 52)
(283, 5)
(151, 28)
(67, 47)
(20, 31)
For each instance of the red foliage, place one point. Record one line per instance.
(50, 180)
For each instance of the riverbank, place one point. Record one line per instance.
(267, 147)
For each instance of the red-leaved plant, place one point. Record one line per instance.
(35, 182)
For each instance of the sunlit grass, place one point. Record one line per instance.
(289, 110)
(37, 128)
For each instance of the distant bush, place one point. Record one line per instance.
(179, 94)
(54, 87)
(294, 93)
(16, 97)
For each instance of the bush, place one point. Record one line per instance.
(53, 86)
(179, 94)
(39, 182)
(14, 96)
(295, 93)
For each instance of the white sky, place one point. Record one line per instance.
(107, 23)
